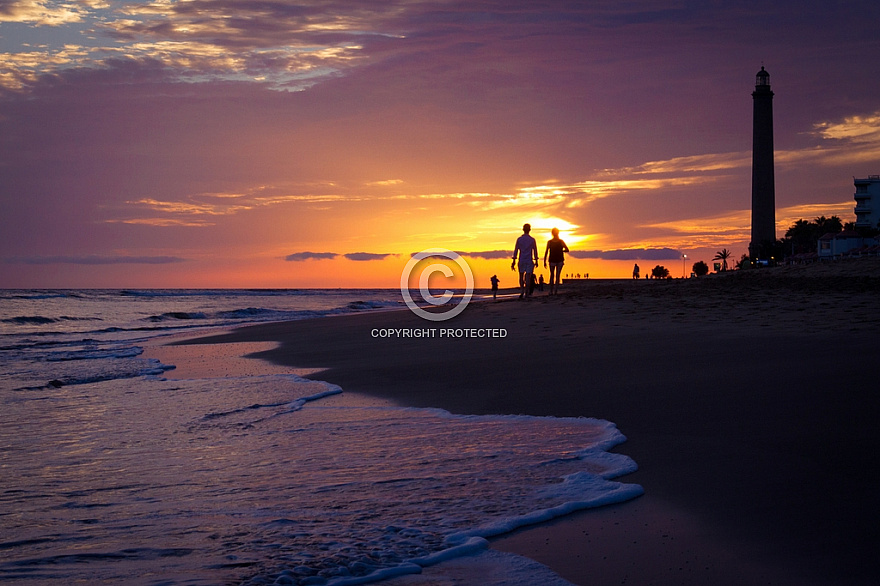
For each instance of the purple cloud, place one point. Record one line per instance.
(356, 256)
(630, 254)
(360, 256)
(488, 254)
(300, 256)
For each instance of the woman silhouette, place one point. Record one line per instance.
(556, 250)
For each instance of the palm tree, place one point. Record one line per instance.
(826, 225)
(802, 236)
(722, 255)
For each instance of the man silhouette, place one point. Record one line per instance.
(527, 250)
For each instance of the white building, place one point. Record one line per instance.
(844, 244)
(867, 201)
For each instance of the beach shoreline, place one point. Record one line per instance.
(748, 402)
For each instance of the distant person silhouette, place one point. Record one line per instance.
(541, 282)
(495, 281)
(555, 250)
(636, 271)
(527, 250)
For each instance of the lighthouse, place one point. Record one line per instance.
(763, 182)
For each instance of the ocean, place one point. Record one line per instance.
(110, 471)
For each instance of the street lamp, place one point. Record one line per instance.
(684, 258)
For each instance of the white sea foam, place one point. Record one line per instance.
(267, 478)
(111, 475)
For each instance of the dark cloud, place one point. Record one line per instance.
(366, 256)
(630, 254)
(356, 256)
(299, 256)
(96, 260)
(488, 254)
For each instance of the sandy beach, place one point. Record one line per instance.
(749, 401)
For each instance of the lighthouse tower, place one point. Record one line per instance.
(763, 182)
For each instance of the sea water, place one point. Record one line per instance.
(109, 472)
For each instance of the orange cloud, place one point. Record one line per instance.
(44, 13)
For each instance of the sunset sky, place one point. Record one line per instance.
(319, 143)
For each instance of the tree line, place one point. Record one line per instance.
(802, 237)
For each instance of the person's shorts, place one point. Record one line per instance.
(526, 267)
(556, 265)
